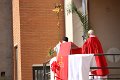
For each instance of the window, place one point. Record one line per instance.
(38, 72)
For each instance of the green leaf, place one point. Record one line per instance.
(51, 52)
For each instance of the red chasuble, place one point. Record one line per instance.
(93, 46)
(62, 59)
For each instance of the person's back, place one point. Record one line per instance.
(93, 46)
(57, 47)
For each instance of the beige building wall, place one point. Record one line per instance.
(68, 21)
(6, 38)
(16, 39)
(77, 25)
(104, 16)
(73, 25)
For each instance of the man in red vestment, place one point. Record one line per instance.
(93, 46)
(66, 48)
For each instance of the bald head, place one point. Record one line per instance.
(91, 32)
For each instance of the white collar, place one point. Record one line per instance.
(91, 35)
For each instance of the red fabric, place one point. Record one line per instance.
(62, 59)
(55, 67)
(63, 72)
(65, 48)
(76, 51)
(93, 46)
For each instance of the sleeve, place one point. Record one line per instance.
(84, 48)
(57, 48)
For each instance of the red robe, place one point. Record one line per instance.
(93, 46)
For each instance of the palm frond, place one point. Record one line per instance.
(83, 18)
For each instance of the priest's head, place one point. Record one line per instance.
(91, 32)
(65, 39)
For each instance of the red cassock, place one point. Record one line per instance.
(93, 46)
